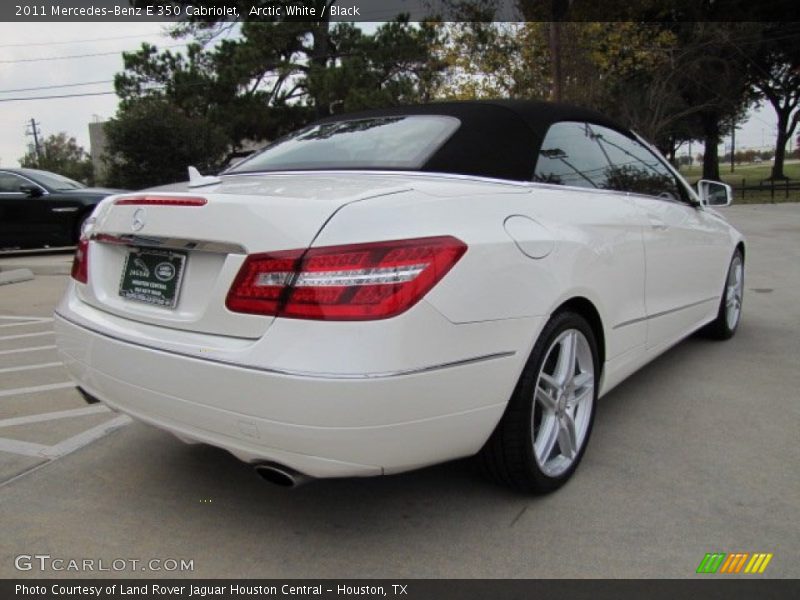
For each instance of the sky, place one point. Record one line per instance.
(22, 43)
(25, 41)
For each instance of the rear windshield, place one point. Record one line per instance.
(402, 142)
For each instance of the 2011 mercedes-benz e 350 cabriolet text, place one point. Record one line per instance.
(391, 289)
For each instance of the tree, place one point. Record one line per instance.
(153, 142)
(646, 75)
(712, 78)
(774, 67)
(61, 154)
(273, 78)
(694, 87)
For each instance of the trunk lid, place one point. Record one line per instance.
(242, 215)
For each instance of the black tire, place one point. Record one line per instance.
(508, 456)
(720, 328)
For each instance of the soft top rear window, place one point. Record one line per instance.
(391, 142)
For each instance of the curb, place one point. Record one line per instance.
(15, 276)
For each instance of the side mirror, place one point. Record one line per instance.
(32, 191)
(714, 193)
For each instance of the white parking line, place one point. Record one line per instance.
(31, 349)
(23, 324)
(49, 453)
(87, 437)
(31, 367)
(36, 388)
(68, 446)
(23, 448)
(52, 416)
(25, 335)
(19, 318)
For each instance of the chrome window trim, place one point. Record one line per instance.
(675, 173)
(390, 172)
(665, 312)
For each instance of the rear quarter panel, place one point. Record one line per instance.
(597, 251)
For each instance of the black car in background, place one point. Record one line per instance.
(39, 208)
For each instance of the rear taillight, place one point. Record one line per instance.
(80, 263)
(343, 283)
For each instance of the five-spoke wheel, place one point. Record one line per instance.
(730, 306)
(542, 436)
(564, 397)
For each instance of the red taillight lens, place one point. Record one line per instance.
(150, 200)
(344, 283)
(80, 263)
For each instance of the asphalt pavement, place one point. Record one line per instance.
(698, 452)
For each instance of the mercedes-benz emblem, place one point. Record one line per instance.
(139, 219)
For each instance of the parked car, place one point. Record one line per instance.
(396, 288)
(39, 208)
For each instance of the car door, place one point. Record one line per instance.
(682, 242)
(609, 223)
(30, 221)
(17, 222)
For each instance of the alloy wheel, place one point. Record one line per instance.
(734, 289)
(563, 399)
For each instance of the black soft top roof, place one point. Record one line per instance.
(497, 138)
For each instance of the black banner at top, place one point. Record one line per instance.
(386, 10)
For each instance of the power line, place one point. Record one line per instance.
(49, 58)
(50, 87)
(56, 97)
(81, 41)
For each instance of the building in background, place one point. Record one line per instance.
(97, 147)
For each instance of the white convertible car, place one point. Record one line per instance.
(396, 288)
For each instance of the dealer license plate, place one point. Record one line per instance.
(153, 276)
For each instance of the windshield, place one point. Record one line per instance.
(55, 182)
(402, 142)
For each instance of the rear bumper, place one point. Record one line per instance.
(320, 425)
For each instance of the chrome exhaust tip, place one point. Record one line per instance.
(280, 475)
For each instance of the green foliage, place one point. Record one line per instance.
(670, 82)
(678, 76)
(272, 79)
(153, 142)
(61, 154)
(774, 68)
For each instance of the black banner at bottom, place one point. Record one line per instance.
(407, 589)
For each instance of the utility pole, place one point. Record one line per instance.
(35, 132)
(733, 143)
(555, 57)
(560, 9)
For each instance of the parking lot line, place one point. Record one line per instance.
(25, 335)
(23, 448)
(31, 349)
(52, 416)
(20, 318)
(36, 388)
(23, 324)
(31, 367)
(85, 438)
